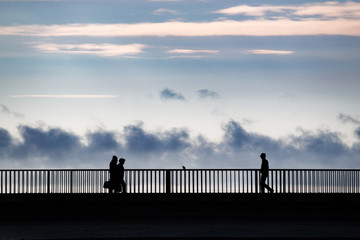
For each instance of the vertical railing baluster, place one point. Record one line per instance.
(353, 181)
(48, 181)
(217, 183)
(271, 178)
(11, 182)
(257, 180)
(157, 182)
(36, 186)
(243, 181)
(138, 181)
(283, 181)
(6, 182)
(17, 181)
(296, 181)
(312, 181)
(131, 182)
(222, 181)
(176, 181)
(151, 181)
(356, 182)
(206, 185)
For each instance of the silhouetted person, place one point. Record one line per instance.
(121, 172)
(114, 175)
(264, 174)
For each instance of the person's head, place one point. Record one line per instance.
(263, 156)
(114, 159)
(122, 160)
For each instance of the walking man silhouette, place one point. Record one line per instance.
(264, 174)
(121, 171)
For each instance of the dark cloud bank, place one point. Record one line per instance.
(56, 148)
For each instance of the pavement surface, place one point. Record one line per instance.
(179, 216)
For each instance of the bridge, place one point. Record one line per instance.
(180, 204)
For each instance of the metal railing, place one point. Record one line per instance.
(181, 181)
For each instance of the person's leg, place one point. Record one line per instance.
(267, 186)
(118, 187)
(123, 186)
(262, 183)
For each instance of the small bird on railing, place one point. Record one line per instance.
(184, 168)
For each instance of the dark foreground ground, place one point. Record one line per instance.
(180, 216)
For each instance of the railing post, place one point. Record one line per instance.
(71, 181)
(167, 182)
(256, 181)
(284, 181)
(48, 181)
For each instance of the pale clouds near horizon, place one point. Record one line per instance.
(284, 27)
(189, 71)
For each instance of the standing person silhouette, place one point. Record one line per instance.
(121, 173)
(114, 176)
(264, 174)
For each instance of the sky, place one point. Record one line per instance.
(172, 83)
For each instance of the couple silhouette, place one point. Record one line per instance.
(117, 183)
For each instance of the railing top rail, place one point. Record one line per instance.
(189, 169)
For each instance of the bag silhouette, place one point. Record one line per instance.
(107, 184)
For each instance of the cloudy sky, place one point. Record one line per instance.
(167, 83)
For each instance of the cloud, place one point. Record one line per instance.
(165, 0)
(349, 10)
(6, 110)
(333, 9)
(162, 11)
(205, 93)
(192, 51)
(170, 94)
(139, 141)
(310, 149)
(321, 142)
(5, 138)
(51, 143)
(357, 132)
(268, 52)
(102, 140)
(50, 147)
(70, 96)
(186, 56)
(218, 113)
(237, 138)
(103, 50)
(5, 145)
(250, 10)
(347, 118)
(259, 27)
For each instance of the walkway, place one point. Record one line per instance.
(179, 216)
